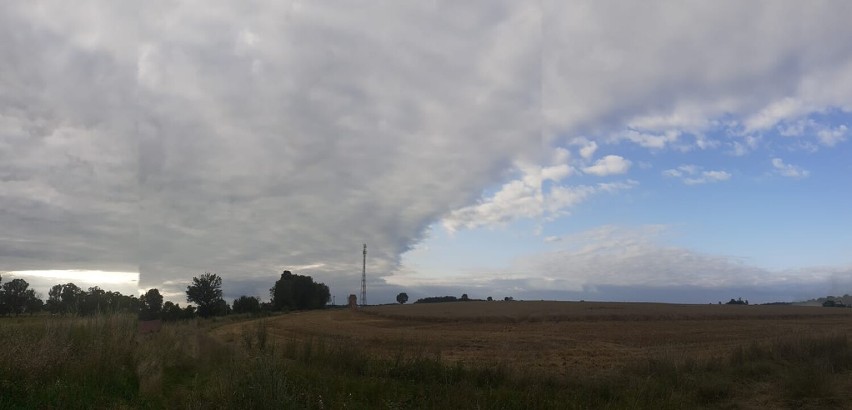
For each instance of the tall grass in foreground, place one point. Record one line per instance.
(58, 362)
(101, 362)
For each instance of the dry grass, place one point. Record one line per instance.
(646, 356)
(551, 311)
(558, 338)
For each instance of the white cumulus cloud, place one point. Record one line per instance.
(695, 175)
(789, 170)
(608, 165)
(529, 197)
(832, 136)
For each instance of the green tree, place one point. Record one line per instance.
(54, 299)
(33, 303)
(188, 312)
(171, 311)
(151, 304)
(14, 296)
(206, 291)
(93, 302)
(402, 298)
(116, 302)
(298, 292)
(247, 304)
(71, 297)
(221, 308)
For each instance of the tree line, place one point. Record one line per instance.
(402, 298)
(289, 292)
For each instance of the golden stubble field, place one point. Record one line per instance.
(559, 338)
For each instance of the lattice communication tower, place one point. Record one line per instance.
(364, 278)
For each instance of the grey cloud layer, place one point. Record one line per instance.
(686, 66)
(244, 141)
(247, 138)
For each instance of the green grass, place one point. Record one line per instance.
(101, 362)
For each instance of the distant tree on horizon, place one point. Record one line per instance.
(65, 298)
(206, 291)
(221, 308)
(151, 305)
(298, 292)
(247, 304)
(16, 297)
(402, 298)
(832, 301)
(68, 298)
(171, 311)
(92, 302)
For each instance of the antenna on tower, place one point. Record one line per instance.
(364, 278)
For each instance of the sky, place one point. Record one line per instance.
(687, 152)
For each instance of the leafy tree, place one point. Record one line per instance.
(64, 298)
(152, 304)
(33, 303)
(490, 299)
(298, 292)
(464, 297)
(402, 298)
(54, 299)
(247, 304)
(71, 295)
(92, 302)
(17, 298)
(221, 308)
(171, 311)
(206, 291)
(15, 295)
(116, 302)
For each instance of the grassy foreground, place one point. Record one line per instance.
(101, 362)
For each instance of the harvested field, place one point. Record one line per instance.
(558, 338)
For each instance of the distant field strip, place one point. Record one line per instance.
(559, 338)
(533, 311)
